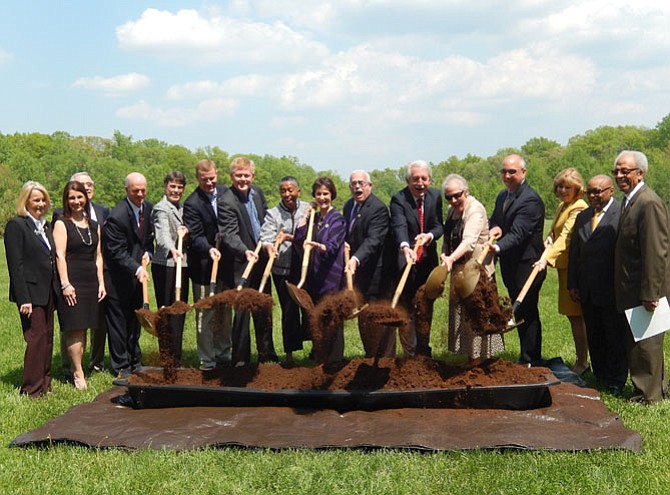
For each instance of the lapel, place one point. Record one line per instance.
(625, 211)
(411, 204)
(243, 210)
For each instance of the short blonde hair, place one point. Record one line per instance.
(24, 197)
(570, 177)
(242, 162)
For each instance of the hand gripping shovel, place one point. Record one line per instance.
(250, 266)
(466, 277)
(268, 267)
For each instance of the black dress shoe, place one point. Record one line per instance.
(615, 391)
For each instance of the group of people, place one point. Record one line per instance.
(608, 258)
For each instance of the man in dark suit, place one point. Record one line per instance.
(367, 229)
(591, 282)
(241, 214)
(517, 223)
(201, 219)
(127, 238)
(99, 213)
(642, 269)
(416, 218)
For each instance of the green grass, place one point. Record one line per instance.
(73, 470)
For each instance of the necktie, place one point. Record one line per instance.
(419, 207)
(596, 219)
(354, 215)
(506, 202)
(140, 220)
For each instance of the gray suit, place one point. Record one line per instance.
(642, 273)
(591, 271)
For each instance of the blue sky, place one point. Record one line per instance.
(342, 84)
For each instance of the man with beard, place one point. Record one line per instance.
(367, 228)
(642, 270)
(416, 218)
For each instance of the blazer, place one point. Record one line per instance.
(368, 240)
(166, 218)
(236, 231)
(123, 247)
(203, 227)
(561, 232)
(522, 224)
(31, 265)
(641, 257)
(405, 223)
(591, 258)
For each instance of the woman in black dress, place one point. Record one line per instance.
(79, 263)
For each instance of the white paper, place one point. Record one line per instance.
(645, 324)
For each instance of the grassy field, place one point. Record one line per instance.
(74, 470)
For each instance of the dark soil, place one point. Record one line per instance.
(167, 352)
(487, 311)
(381, 313)
(415, 373)
(423, 319)
(242, 300)
(327, 318)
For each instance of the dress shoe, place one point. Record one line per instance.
(615, 390)
(96, 368)
(124, 373)
(207, 367)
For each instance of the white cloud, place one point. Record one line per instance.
(5, 56)
(206, 111)
(202, 38)
(116, 85)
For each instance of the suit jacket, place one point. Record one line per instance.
(561, 233)
(591, 258)
(203, 227)
(405, 224)
(237, 234)
(123, 247)
(521, 243)
(368, 240)
(166, 218)
(641, 257)
(31, 264)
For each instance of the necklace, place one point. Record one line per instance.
(88, 230)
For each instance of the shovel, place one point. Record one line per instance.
(250, 265)
(181, 232)
(350, 285)
(403, 279)
(145, 316)
(268, 267)
(529, 282)
(297, 293)
(466, 277)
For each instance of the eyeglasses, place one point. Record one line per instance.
(597, 192)
(622, 171)
(508, 171)
(454, 196)
(355, 183)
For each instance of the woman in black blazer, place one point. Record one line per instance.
(30, 251)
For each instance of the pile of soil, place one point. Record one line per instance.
(327, 318)
(416, 373)
(242, 300)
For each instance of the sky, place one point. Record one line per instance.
(341, 85)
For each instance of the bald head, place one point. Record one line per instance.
(136, 188)
(599, 191)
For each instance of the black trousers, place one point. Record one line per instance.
(38, 332)
(607, 333)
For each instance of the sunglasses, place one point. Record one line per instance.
(597, 192)
(457, 195)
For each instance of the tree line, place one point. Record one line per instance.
(52, 158)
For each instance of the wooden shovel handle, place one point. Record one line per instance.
(529, 282)
(347, 273)
(268, 267)
(485, 251)
(145, 284)
(250, 264)
(307, 250)
(181, 232)
(403, 279)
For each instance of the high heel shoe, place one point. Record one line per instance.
(80, 383)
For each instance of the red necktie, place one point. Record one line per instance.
(140, 216)
(419, 205)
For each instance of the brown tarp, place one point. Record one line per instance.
(576, 420)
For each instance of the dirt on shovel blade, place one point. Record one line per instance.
(381, 313)
(242, 300)
(487, 311)
(327, 318)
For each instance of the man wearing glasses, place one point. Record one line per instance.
(591, 282)
(367, 229)
(642, 269)
(517, 223)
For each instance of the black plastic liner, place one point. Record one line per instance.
(512, 397)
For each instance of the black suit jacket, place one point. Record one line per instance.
(591, 264)
(123, 248)
(367, 238)
(405, 224)
(203, 227)
(237, 234)
(521, 243)
(31, 264)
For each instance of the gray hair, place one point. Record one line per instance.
(365, 174)
(640, 158)
(455, 177)
(72, 177)
(418, 164)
